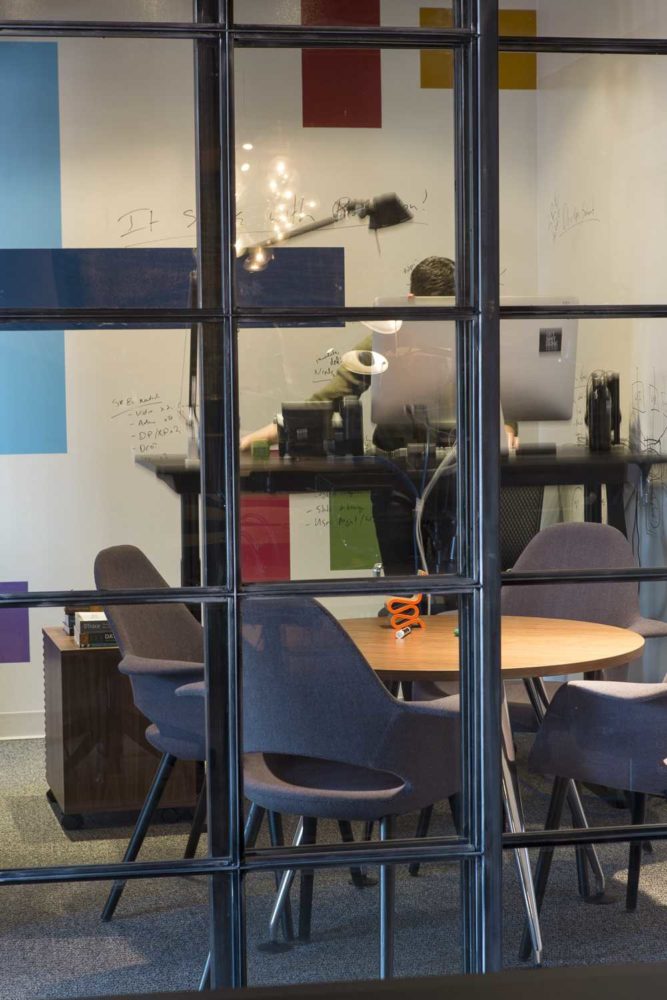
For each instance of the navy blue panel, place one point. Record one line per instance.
(89, 279)
(158, 277)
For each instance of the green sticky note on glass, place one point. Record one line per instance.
(352, 538)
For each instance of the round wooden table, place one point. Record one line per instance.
(530, 647)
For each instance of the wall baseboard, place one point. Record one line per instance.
(21, 725)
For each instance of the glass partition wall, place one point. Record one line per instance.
(278, 275)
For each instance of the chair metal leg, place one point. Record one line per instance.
(252, 824)
(423, 824)
(198, 821)
(540, 700)
(638, 816)
(360, 877)
(545, 858)
(306, 882)
(205, 981)
(164, 769)
(387, 901)
(515, 822)
(283, 895)
(277, 840)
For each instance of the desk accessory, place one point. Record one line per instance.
(306, 429)
(405, 614)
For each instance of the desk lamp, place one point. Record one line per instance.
(382, 212)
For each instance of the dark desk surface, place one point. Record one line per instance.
(571, 465)
(613, 982)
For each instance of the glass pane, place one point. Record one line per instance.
(60, 948)
(79, 409)
(330, 489)
(590, 419)
(344, 936)
(362, 13)
(365, 159)
(330, 736)
(601, 735)
(601, 18)
(581, 181)
(98, 195)
(96, 10)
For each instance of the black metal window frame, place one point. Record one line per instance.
(477, 313)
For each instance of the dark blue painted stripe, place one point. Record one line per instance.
(158, 277)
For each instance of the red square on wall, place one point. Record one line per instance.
(342, 88)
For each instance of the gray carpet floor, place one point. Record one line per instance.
(52, 943)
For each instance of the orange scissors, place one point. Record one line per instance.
(405, 611)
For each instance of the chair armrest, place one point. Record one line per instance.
(196, 690)
(147, 666)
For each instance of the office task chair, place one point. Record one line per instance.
(324, 739)
(520, 520)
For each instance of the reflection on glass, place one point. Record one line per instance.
(359, 467)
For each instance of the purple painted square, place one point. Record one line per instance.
(14, 632)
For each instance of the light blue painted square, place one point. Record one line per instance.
(30, 146)
(32, 363)
(32, 392)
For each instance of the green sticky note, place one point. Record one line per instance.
(352, 539)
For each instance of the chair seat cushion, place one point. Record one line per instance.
(181, 743)
(609, 733)
(327, 789)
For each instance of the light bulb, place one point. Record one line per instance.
(245, 167)
(247, 145)
(257, 259)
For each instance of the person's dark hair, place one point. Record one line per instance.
(433, 276)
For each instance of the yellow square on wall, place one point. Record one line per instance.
(516, 70)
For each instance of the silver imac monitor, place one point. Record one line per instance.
(537, 364)
(421, 370)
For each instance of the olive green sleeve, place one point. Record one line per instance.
(345, 382)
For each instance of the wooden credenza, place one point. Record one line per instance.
(97, 757)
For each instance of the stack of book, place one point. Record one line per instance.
(70, 613)
(91, 628)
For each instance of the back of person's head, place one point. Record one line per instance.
(433, 276)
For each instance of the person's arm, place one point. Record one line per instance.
(268, 433)
(344, 382)
(512, 431)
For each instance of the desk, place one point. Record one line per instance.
(569, 466)
(531, 648)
